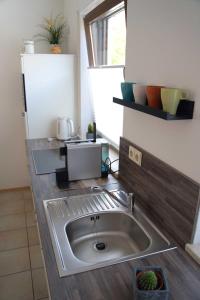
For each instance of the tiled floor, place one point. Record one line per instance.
(21, 267)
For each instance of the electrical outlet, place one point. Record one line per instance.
(135, 155)
(131, 153)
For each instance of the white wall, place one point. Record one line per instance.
(163, 46)
(18, 21)
(72, 13)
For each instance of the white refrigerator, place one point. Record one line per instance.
(48, 81)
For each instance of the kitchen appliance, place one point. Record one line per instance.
(104, 149)
(65, 128)
(82, 161)
(48, 82)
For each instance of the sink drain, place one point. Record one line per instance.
(100, 246)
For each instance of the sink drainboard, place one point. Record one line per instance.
(67, 207)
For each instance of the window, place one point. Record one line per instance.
(105, 84)
(105, 29)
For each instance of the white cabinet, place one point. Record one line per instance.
(49, 92)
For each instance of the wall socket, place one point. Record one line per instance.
(135, 155)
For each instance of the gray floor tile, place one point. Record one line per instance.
(16, 287)
(14, 261)
(13, 239)
(12, 222)
(36, 257)
(30, 219)
(33, 236)
(39, 284)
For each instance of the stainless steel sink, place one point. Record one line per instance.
(94, 230)
(106, 236)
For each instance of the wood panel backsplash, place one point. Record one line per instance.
(169, 196)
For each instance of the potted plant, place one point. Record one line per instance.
(150, 283)
(53, 32)
(90, 132)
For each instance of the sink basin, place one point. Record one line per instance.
(91, 231)
(106, 236)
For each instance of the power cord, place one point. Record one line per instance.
(108, 165)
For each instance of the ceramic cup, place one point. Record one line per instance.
(139, 92)
(127, 91)
(170, 99)
(153, 96)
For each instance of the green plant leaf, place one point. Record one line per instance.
(53, 29)
(148, 280)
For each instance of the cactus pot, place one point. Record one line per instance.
(89, 135)
(162, 291)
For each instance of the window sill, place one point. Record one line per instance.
(107, 67)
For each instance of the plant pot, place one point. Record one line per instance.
(127, 91)
(89, 136)
(170, 99)
(162, 291)
(56, 49)
(154, 96)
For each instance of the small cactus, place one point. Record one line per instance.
(148, 280)
(90, 128)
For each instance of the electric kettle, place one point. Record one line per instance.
(65, 128)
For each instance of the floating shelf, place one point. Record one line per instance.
(184, 111)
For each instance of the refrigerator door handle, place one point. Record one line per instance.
(24, 92)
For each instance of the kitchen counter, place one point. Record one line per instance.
(113, 282)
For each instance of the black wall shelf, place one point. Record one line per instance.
(184, 111)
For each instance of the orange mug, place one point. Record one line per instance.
(154, 96)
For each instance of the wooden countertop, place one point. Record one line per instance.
(113, 282)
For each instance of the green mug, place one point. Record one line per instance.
(170, 99)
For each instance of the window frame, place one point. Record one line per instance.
(97, 12)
